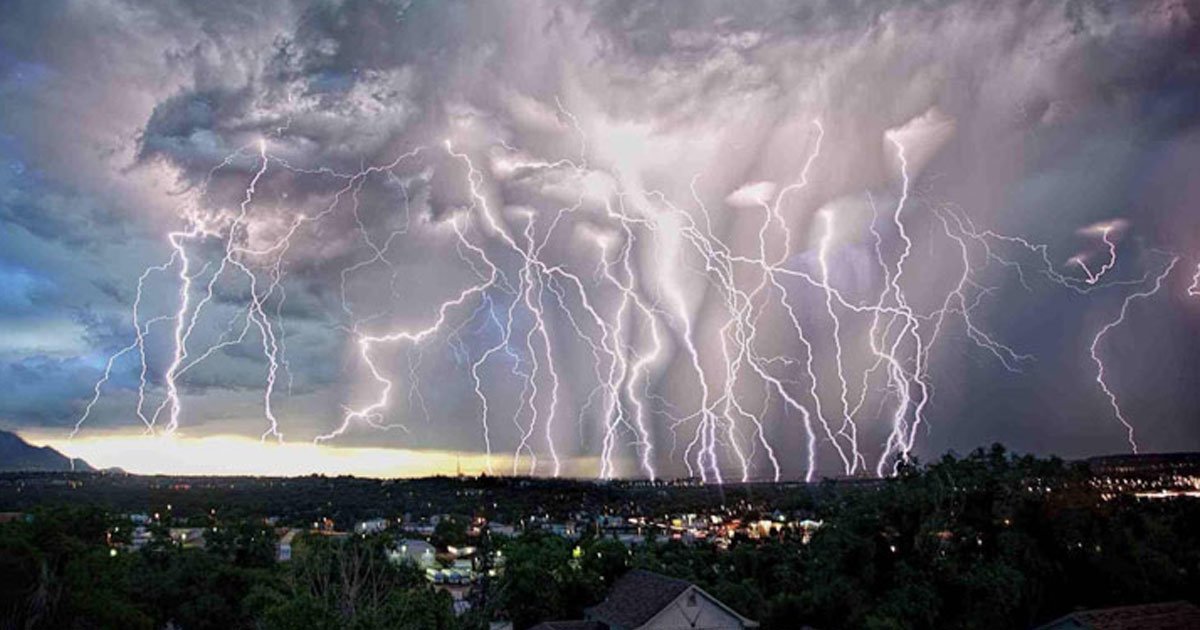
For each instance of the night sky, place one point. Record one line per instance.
(722, 239)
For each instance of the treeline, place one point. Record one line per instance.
(346, 500)
(59, 572)
(985, 541)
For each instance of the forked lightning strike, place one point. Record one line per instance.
(759, 338)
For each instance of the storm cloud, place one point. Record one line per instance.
(338, 172)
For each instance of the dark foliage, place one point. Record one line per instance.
(57, 571)
(986, 541)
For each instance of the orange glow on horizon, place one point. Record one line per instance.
(241, 455)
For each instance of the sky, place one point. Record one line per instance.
(728, 240)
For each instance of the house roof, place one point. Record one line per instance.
(1162, 616)
(569, 625)
(637, 597)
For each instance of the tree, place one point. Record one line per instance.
(450, 531)
(351, 584)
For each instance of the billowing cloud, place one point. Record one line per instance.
(717, 238)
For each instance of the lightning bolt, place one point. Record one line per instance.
(848, 424)
(520, 295)
(1093, 278)
(1101, 377)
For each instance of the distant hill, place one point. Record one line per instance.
(18, 455)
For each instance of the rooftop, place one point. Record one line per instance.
(637, 597)
(569, 625)
(1162, 616)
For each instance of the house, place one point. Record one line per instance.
(501, 529)
(632, 539)
(565, 529)
(644, 600)
(188, 537)
(141, 537)
(609, 521)
(422, 527)
(808, 527)
(373, 526)
(283, 549)
(1163, 616)
(418, 552)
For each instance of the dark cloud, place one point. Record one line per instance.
(44, 391)
(119, 120)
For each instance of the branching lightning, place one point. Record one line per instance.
(763, 329)
(1101, 377)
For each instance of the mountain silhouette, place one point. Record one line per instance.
(17, 455)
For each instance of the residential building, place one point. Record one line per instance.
(188, 537)
(501, 529)
(283, 549)
(141, 537)
(644, 600)
(418, 552)
(12, 517)
(1163, 616)
(565, 529)
(373, 526)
